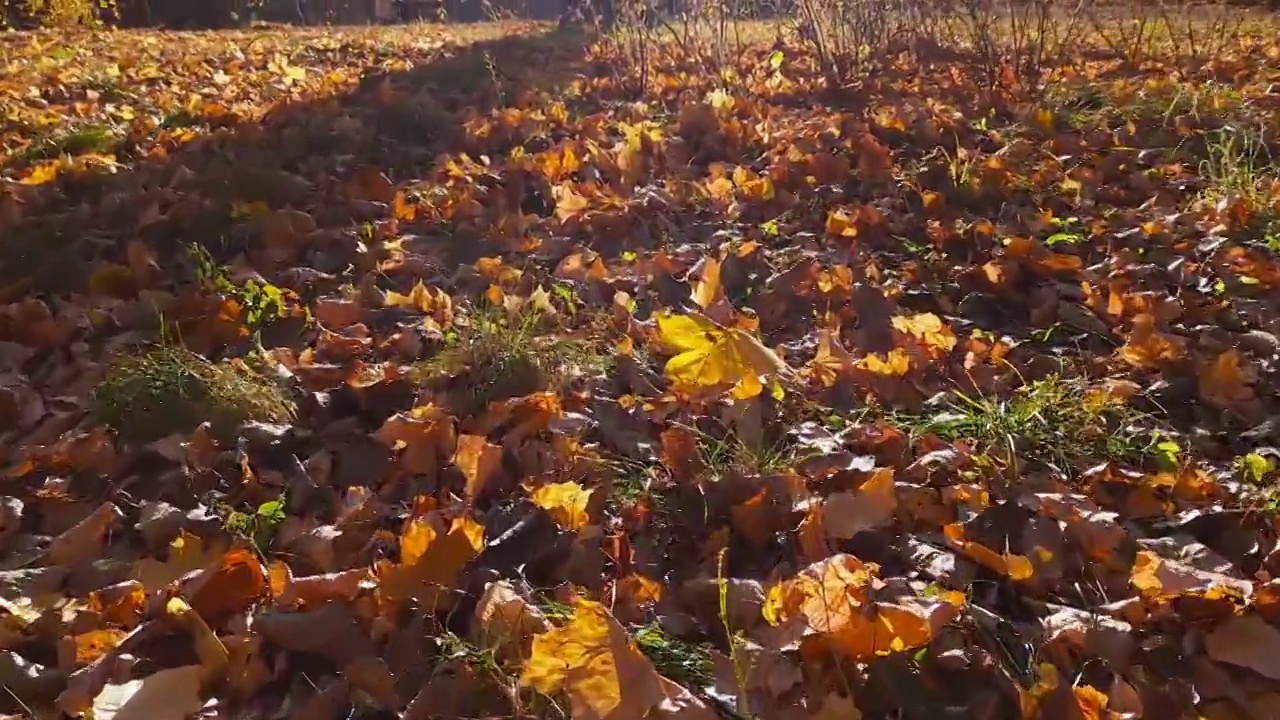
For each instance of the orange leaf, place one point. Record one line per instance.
(479, 460)
(1148, 348)
(928, 329)
(1224, 384)
(845, 604)
(1017, 567)
(230, 587)
(94, 644)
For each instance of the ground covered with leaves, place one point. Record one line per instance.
(427, 373)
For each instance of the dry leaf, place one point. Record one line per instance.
(593, 661)
(479, 460)
(845, 514)
(172, 694)
(1246, 641)
(567, 503)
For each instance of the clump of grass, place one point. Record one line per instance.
(499, 355)
(91, 138)
(1151, 105)
(167, 388)
(1054, 420)
(731, 455)
(633, 487)
(1237, 164)
(687, 663)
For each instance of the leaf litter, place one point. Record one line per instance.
(362, 374)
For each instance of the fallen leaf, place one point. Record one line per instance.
(172, 694)
(593, 661)
(1246, 641)
(479, 460)
(567, 503)
(872, 505)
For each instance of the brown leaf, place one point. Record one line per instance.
(87, 540)
(1246, 641)
(872, 505)
(507, 621)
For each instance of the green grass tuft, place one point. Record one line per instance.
(688, 664)
(166, 389)
(499, 355)
(90, 138)
(1054, 420)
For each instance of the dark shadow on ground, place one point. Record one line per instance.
(302, 156)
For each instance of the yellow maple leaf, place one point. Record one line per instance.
(896, 363)
(841, 224)
(42, 173)
(421, 297)
(845, 514)
(566, 502)
(928, 329)
(710, 356)
(569, 203)
(430, 560)
(1017, 567)
(831, 360)
(842, 601)
(755, 188)
(593, 661)
(708, 288)
(91, 645)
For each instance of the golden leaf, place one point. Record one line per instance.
(895, 364)
(842, 600)
(840, 224)
(430, 560)
(708, 289)
(566, 502)
(421, 297)
(593, 661)
(1148, 348)
(710, 356)
(1224, 384)
(1017, 567)
(94, 644)
(42, 173)
(187, 553)
(928, 329)
(830, 362)
(479, 460)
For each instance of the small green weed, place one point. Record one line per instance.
(261, 301)
(1237, 164)
(631, 487)
(687, 663)
(180, 118)
(1154, 104)
(166, 389)
(490, 668)
(257, 528)
(729, 455)
(1066, 231)
(1259, 472)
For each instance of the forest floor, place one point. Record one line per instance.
(485, 371)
